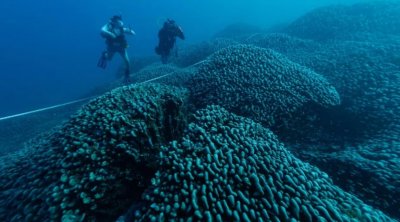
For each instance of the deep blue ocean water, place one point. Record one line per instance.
(49, 49)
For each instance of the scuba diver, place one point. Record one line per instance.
(167, 38)
(114, 33)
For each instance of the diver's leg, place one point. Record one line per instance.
(125, 56)
(165, 55)
(164, 59)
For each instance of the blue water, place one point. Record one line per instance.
(49, 49)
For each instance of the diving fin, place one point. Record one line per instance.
(102, 63)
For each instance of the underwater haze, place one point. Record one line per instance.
(240, 111)
(50, 49)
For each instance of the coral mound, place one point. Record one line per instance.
(335, 22)
(228, 168)
(192, 54)
(286, 45)
(361, 136)
(98, 162)
(238, 31)
(366, 75)
(163, 74)
(259, 83)
(370, 169)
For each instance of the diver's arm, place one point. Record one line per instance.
(129, 31)
(105, 33)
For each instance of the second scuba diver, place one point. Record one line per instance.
(167, 38)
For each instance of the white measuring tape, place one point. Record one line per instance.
(84, 99)
(46, 108)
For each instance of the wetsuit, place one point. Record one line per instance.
(118, 44)
(167, 38)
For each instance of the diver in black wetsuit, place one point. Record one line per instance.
(114, 33)
(167, 38)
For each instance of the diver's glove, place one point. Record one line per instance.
(129, 31)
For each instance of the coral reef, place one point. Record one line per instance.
(364, 68)
(238, 31)
(98, 162)
(369, 169)
(176, 76)
(259, 83)
(192, 54)
(295, 48)
(331, 97)
(339, 22)
(365, 78)
(229, 168)
(364, 73)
